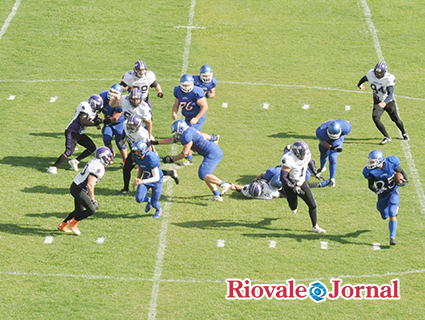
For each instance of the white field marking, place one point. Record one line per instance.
(166, 178)
(220, 243)
(404, 144)
(48, 240)
(266, 105)
(11, 97)
(164, 226)
(9, 18)
(53, 99)
(224, 105)
(376, 246)
(100, 240)
(324, 245)
(347, 108)
(306, 106)
(272, 244)
(191, 27)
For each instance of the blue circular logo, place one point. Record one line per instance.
(317, 291)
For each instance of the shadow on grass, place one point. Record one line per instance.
(221, 223)
(61, 135)
(39, 163)
(25, 229)
(98, 215)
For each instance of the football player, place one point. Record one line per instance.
(113, 122)
(149, 176)
(293, 177)
(382, 83)
(206, 81)
(85, 116)
(195, 140)
(331, 135)
(143, 79)
(380, 173)
(82, 189)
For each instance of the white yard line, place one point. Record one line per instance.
(414, 176)
(9, 18)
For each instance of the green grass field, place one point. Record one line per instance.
(287, 54)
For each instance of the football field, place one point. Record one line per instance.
(283, 68)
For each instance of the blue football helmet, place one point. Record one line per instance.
(186, 83)
(134, 122)
(96, 102)
(135, 94)
(380, 69)
(178, 127)
(139, 149)
(275, 182)
(334, 130)
(140, 68)
(105, 155)
(255, 188)
(116, 89)
(300, 149)
(206, 73)
(375, 159)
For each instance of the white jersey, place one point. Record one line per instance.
(379, 85)
(143, 83)
(94, 167)
(140, 135)
(142, 109)
(267, 193)
(75, 124)
(298, 167)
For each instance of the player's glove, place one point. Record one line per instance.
(96, 204)
(208, 94)
(336, 149)
(160, 94)
(298, 190)
(403, 182)
(97, 121)
(168, 159)
(107, 120)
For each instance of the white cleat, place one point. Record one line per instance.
(226, 187)
(332, 183)
(74, 164)
(294, 211)
(52, 170)
(317, 229)
(216, 198)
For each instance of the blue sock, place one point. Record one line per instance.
(189, 157)
(216, 193)
(223, 182)
(212, 138)
(393, 228)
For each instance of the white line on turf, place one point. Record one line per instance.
(11, 97)
(376, 246)
(53, 99)
(224, 105)
(272, 244)
(9, 18)
(404, 144)
(48, 239)
(221, 243)
(100, 240)
(266, 105)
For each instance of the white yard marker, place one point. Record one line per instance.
(272, 244)
(376, 246)
(220, 243)
(306, 106)
(266, 105)
(100, 240)
(324, 245)
(49, 239)
(53, 99)
(347, 108)
(224, 105)
(11, 97)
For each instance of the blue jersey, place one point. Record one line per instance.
(108, 110)
(187, 101)
(200, 145)
(271, 172)
(322, 132)
(205, 86)
(384, 178)
(150, 162)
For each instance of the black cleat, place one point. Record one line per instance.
(385, 140)
(392, 242)
(175, 176)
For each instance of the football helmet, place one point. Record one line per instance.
(300, 149)
(380, 69)
(334, 130)
(178, 127)
(206, 73)
(135, 94)
(186, 83)
(255, 188)
(134, 122)
(375, 159)
(105, 155)
(275, 182)
(140, 68)
(96, 102)
(139, 149)
(116, 89)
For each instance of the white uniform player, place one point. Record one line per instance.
(379, 85)
(142, 109)
(141, 134)
(132, 80)
(297, 166)
(75, 125)
(94, 167)
(267, 193)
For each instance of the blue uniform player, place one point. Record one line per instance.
(380, 173)
(150, 176)
(206, 81)
(192, 101)
(331, 135)
(193, 139)
(113, 122)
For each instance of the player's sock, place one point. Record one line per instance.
(216, 192)
(393, 228)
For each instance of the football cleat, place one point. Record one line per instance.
(332, 183)
(406, 137)
(175, 176)
(385, 140)
(52, 170)
(73, 225)
(317, 229)
(225, 187)
(294, 211)
(321, 170)
(74, 164)
(148, 207)
(186, 162)
(64, 227)
(216, 198)
(216, 139)
(123, 191)
(157, 214)
(392, 241)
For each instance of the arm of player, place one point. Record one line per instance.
(211, 93)
(204, 107)
(149, 125)
(175, 108)
(360, 84)
(184, 153)
(91, 182)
